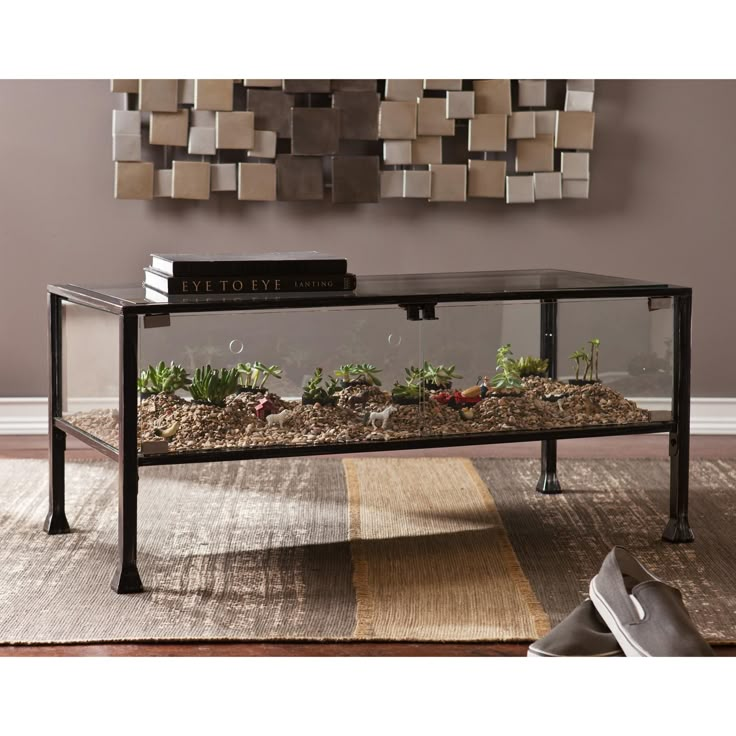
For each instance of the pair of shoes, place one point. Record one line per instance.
(629, 613)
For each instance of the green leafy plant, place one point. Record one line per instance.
(245, 374)
(270, 371)
(408, 392)
(212, 385)
(528, 365)
(432, 376)
(578, 357)
(507, 376)
(345, 372)
(413, 390)
(440, 376)
(414, 376)
(595, 345)
(588, 359)
(315, 393)
(365, 373)
(255, 375)
(162, 378)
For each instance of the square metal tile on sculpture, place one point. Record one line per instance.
(397, 120)
(355, 179)
(315, 131)
(358, 114)
(190, 180)
(486, 179)
(235, 130)
(487, 132)
(272, 109)
(299, 178)
(213, 94)
(449, 182)
(432, 117)
(417, 184)
(133, 180)
(257, 182)
(169, 128)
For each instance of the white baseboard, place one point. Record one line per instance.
(27, 416)
(707, 415)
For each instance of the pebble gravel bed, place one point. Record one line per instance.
(201, 426)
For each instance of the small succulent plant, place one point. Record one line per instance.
(595, 345)
(433, 376)
(413, 390)
(414, 376)
(345, 371)
(364, 373)
(507, 376)
(163, 379)
(211, 385)
(528, 365)
(254, 375)
(315, 393)
(588, 359)
(578, 357)
(408, 392)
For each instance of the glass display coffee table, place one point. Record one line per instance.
(402, 362)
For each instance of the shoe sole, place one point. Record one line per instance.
(609, 617)
(539, 653)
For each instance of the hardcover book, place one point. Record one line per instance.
(308, 262)
(241, 284)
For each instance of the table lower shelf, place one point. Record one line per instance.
(414, 443)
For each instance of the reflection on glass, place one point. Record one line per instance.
(90, 371)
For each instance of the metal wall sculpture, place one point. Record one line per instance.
(354, 140)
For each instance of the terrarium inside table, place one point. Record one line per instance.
(403, 362)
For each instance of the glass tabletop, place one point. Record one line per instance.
(487, 282)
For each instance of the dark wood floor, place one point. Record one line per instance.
(616, 447)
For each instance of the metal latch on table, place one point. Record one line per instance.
(659, 302)
(156, 320)
(419, 312)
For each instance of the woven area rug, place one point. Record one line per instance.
(438, 549)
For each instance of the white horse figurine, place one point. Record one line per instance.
(384, 416)
(279, 418)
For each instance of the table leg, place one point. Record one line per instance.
(126, 578)
(56, 522)
(678, 527)
(548, 482)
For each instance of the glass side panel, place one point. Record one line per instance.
(622, 367)
(90, 371)
(266, 403)
(635, 355)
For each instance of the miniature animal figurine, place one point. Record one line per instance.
(279, 419)
(484, 387)
(167, 432)
(384, 416)
(473, 392)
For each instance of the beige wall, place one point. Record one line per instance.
(661, 207)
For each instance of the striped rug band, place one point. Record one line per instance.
(431, 558)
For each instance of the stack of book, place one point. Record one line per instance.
(203, 275)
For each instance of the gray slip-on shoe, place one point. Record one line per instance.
(582, 634)
(647, 616)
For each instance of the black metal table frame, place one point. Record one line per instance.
(126, 578)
